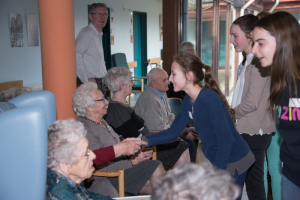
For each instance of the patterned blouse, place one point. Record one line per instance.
(62, 187)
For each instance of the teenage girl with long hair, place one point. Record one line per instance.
(255, 122)
(207, 108)
(272, 160)
(277, 44)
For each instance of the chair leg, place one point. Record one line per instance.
(198, 153)
(121, 184)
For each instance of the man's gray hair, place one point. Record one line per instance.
(97, 5)
(192, 181)
(13, 92)
(63, 139)
(151, 76)
(184, 46)
(83, 99)
(117, 77)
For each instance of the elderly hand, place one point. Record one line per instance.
(141, 156)
(128, 146)
(192, 135)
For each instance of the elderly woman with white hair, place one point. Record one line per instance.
(196, 182)
(141, 174)
(127, 123)
(70, 162)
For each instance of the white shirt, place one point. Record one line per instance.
(89, 54)
(238, 91)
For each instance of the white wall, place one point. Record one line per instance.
(24, 63)
(18, 63)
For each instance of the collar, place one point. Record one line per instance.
(159, 94)
(95, 30)
(249, 58)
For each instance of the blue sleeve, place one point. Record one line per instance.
(172, 133)
(219, 119)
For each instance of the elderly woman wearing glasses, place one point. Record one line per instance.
(69, 161)
(140, 172)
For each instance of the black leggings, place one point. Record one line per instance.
(255, 177)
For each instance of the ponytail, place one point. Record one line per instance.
(190, 62)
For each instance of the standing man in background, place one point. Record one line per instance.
(90, 64)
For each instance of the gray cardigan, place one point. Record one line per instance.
(253, 112)
(150, 107)
(98, 137)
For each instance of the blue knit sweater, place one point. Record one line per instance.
(221, 143)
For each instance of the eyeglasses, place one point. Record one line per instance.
(85, 155)
(103, 99)
(100, 14)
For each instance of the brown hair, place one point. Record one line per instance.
(285, 68)
(246, 24)
(189, 62)
(96, 5)
(263, 14)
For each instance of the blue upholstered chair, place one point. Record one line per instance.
(23, 152)
(42, 99)
(175, 105)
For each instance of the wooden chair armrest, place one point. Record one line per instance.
(119, 174)
(143, 77)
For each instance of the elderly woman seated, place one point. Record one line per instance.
(140, 172)
(70, 162)
(127, 123)
(196, 182)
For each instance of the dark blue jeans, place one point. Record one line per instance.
(289, 190)
(192, 148)
(240, 181)
(255, 178)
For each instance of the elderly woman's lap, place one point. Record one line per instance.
(137, 176)
(102, 186)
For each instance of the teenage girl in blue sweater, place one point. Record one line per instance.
(207, 108)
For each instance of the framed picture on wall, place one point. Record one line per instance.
(16, 30)
(32, 30)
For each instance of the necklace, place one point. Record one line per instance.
(99, 123)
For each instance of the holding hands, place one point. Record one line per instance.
(141, 156)
(128, 147)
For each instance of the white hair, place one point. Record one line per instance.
(63, 137)
(184, 46)
(196, 182)
(117, 77)
(83, 99)
(13, 92)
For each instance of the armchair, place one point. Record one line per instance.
(43, 99)
(23, 147)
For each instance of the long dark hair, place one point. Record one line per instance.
(246, 24)
(189, 62)
(285, 68)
